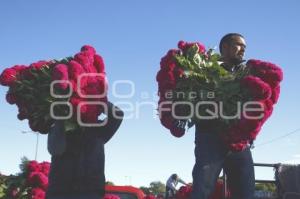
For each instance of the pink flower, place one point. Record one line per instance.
(184, 192)
(8, 77)
(95, 85)
(44, 168)
(37, 193)
(33, 166)
(99, 63)
(166, 79)
(13, 192)
(258, 89)
(86, 59)
(38, 179)
(168, 62)
(92, 113)
(185, 45)
(75, 69)
(268, 72)
(88, 48)
(181, 45)
(60, 72)
(38, 65)
(201, 48)
(275, 94)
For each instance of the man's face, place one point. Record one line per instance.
(235, 49)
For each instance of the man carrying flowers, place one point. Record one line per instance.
(227, 101)
(211, 153)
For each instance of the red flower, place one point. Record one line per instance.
(168, 62)
(166, 80)
(88, 48)
(33, 166)
(60, 72)
(268, 72)
(99, 63)
(75, 69)
(26, 74)
(38, 179)
(201, 48)
(8, 77)
(11, 98)
(13, 192)
(91, 114)
(177, 132)
(38, 65)
(44, 168)
(184, 45)
(184, 192)
(275, 94)
(181, 45)
(86, 59)
(37, 193)
(258, 89)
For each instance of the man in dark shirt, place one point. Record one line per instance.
(211, 153)
(77, 159)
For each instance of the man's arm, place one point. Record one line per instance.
(182, 182)
(56, 139)
(113, 121)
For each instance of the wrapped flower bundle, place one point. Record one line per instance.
(193, 85)
(69, 89)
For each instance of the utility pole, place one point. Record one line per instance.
(36, 144)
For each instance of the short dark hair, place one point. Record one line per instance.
(227, 38)
(174, 176)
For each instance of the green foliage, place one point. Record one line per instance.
(266, 187)
(157, 187)
(109, 183)
(15, 183)
(204, 74)
(146, 190)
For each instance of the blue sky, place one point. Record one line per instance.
(132, 36)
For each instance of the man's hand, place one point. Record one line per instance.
(178, 128)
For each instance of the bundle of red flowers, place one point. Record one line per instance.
(263, 84)
(184, 192)
(72, 88)
(37, 179)
(32, 182)
(192, 74)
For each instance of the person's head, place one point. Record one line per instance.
(232, 48)
(174, 176)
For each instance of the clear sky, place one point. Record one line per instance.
(132, 36)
